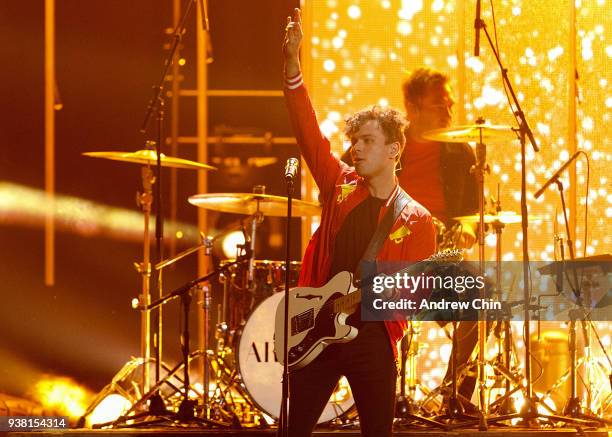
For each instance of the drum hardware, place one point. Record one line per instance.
(479, 132)
(156, 107)
(123, 383)
(480, 168)
(144, 199)
(406, 408)
(268, 278)
(187, 408)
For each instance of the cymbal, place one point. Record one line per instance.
(250, 203)
(150, 157)
(471, 132)
(505, 217)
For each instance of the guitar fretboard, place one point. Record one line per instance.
(348, 303)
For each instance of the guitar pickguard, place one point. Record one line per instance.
(324, 327)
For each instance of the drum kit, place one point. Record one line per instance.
(244, 386)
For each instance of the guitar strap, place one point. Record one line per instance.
(384, 227)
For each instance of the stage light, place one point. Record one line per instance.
(229, 243)
(22, 205)
(62, 395)
(111, 408)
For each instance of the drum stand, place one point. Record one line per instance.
(187, 407)
(503, 364)
(479, 169)
(144, 200)
(405, 406)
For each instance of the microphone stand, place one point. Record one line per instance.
(283, 419)
(156, 104)
(529, 412)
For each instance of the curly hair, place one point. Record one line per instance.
(420, 81)
(390, 120)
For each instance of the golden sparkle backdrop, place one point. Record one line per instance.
(357, 52)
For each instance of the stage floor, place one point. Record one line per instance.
(159, 432)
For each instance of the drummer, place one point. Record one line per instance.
(438, 176)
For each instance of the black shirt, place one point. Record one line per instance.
(353, 239)
(354, 235)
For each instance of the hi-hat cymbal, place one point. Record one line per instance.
(470, 133)
(505, 217)
(149, 157)
(250, 203)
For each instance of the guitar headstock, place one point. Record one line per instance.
(447, 256)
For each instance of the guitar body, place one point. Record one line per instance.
(317, 316)
(313, 325)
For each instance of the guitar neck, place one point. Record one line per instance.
(347, 304)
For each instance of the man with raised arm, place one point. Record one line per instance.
(355, 200)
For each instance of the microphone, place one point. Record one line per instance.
(206, 28)
(555, 176)
(202, 7)
(291, 169)
(477, 26)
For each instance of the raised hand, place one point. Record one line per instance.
(292, 42)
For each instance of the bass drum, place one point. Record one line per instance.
(261, 373)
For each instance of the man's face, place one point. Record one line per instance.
(434, 110)
(370, 152)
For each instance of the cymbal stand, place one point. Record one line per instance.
(257, 219)
(144, 200)
(503, 364)
(479, 169)
(505, 346)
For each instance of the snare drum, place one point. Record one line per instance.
(261, 372)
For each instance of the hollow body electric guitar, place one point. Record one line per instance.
(317, 316)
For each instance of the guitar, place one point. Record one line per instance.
(317, 316)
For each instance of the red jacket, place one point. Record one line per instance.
(412, 236)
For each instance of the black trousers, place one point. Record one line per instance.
(369, 365)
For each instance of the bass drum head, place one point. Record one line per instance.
(261, 373)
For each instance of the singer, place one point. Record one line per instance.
(362, 205)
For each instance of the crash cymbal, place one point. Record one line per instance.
(505, 217)
(250, 203)
(150, 157)
(470, 133)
